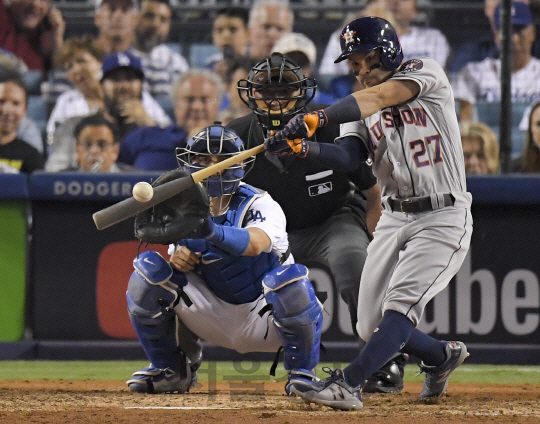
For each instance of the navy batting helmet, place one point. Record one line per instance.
(369, 33)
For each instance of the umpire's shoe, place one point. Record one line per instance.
(333, 391)
(155, 380)
(388, 379)
(437, 376)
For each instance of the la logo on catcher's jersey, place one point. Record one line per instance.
(349, 36)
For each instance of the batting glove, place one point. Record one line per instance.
(299, 147)
(304, 125)
(277, 144)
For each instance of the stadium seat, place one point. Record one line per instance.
(200, 53)
(176, 47)
(32, 80)
(37, 111)
(166, 103)
(488, 113)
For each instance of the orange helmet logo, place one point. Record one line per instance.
(348, 36)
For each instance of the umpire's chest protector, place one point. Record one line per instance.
(236, 279)
(307, 191)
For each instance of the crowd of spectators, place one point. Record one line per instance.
(130, 75)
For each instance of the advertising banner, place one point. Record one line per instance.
(13, 219)
(81, 274)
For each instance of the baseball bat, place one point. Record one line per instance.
(129, 207)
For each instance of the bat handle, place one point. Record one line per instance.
(220, 166)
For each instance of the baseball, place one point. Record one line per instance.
(143, 192)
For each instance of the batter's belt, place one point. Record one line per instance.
(420, 204)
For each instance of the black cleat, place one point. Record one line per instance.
(388, 379)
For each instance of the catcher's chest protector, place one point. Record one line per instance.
(236, 279)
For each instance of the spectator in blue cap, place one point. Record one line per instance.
(487, 45)
(122, 81)
(126, 104)
(521, 16)
(480, 81)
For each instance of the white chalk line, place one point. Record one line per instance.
(182, 407)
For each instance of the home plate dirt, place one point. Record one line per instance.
(111, 402)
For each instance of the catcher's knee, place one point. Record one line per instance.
(150, 297)
(150, 288)
(289, 289)
(297, 314)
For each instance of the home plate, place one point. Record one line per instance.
(182, 407)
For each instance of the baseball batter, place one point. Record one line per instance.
(404, 122)
(327, 221)
(218, 284)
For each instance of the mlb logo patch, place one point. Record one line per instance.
(318, 189)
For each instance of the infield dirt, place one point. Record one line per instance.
(110, 402)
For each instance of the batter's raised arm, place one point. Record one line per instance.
(352, 108)
(374, 99)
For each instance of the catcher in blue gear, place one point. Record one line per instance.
(218, 283)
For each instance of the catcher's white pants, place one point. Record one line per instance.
(237, 327)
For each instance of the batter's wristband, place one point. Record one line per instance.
(304, 150)
(346, 110)
(323, 118)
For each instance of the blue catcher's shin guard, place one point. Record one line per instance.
(297, 316)
(151, 294)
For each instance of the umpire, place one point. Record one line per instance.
(330, 215)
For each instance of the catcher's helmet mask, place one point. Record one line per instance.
(370, 33)
(201, 151)
(276, 89)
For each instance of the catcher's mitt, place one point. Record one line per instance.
(182, 216)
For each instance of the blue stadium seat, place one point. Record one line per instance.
(200, 53)
(488, 113)
(32, 80)
(166, 103)
(37, 110)
(176, 47)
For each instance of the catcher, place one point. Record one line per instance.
(229, 264)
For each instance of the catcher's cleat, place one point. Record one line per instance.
(388, 379)
(437, 376)
(333, 391)
(194, 380)
(299, 377)
(155, 380)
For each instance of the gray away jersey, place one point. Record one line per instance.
(416, 145)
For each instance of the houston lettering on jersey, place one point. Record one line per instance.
(416, 116)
